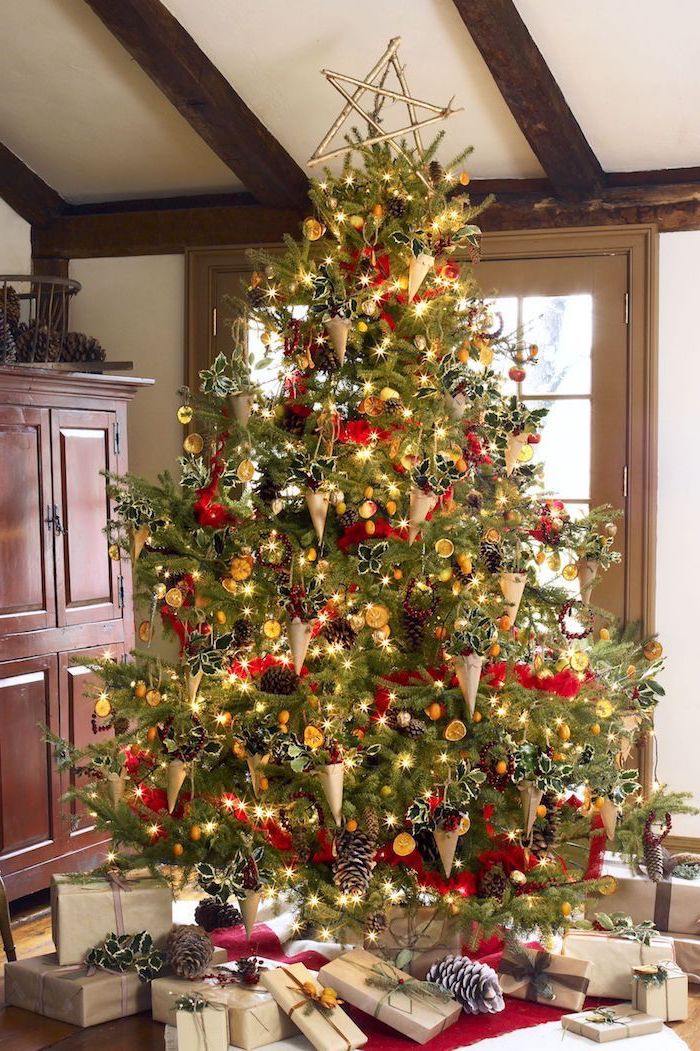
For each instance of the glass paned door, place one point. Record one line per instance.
(574, 309)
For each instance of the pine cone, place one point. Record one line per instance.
(427, 848)
(376, 923)
(546, 829)
(491, 555)
(354, 864)
(475, 500)
(413, 630)
(653, 850)
(370, 821)
(267, 490)
(243, 633)
(247, 970)
(340, 633)
(474, 985)
(349, 518)
(405, 723)
(279, 679)
(464, 578)
(35, 344)
(212, 914)
(10, 305)
(436, 172)
(493, 883)
(325, 358)
(77, 346)
(396, 206)
(189, 951)
(8, 349)
(256, 296)
(293, 422)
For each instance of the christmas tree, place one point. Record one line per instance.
(379, 700)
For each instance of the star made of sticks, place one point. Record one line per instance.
(374, 83)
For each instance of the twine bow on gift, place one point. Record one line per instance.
(391, 981)
(532, 967)
(194, 1003)
(607, 1016)
(318, 1000)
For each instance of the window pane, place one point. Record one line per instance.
(562, 327)
(505, 310)
(565, 448)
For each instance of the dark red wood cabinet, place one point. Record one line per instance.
(62, 600)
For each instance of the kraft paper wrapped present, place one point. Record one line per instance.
(661, 990)
(534, 974)
(613, 958)
(687, 954)
(673, 904)
(296, 992)
(83, 913)
(201, 1025)
(414, 940)
(603, 1025)
(411, 1007)
(254, 1017)
(72, 994)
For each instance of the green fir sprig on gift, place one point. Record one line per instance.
(623, 926)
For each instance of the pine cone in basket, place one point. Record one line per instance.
(212, 914)
(35, 343)
(9, 305)
(77, 346)
(189, 951)
(474, 985)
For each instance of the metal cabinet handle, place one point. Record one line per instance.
(49, 518)
(58, 527)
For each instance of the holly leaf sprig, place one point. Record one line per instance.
(128, 952)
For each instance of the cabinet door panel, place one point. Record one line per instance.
(86, 578)
(27, 596)
(29, 785)
(77, 692)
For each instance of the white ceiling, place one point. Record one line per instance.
(79, 111)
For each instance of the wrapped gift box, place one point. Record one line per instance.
(534, 974)
(70, 994)
(405, 1004)
(614, 1023)
(687, 954)
(326, 1030)
(414, 940)
(673, 905)
(613, 958)
(661, 991)
(84, 913)
(205, 1029)
(254, 1017)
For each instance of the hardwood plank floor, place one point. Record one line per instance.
(24, 1031)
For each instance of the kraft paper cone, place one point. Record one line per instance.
(609, 816)
(630, 725)
(446, 842)
(138, 541)
(515, 444)
(249, 906)
(255, 767)
(417, 272)
(420, 506)
(530, 798)
(468, 672)
(177, 772)
(332, 777)
(317, 503)
(115, 786)
(193, 682)
(241, 408)
(587, 572)
(299, 635)
(512, 586)
(337, 329)
(456, 405)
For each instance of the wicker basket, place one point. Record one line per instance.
(34, 317)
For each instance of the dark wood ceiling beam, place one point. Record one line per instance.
(533, 96)
(25, 192)
(204, 97)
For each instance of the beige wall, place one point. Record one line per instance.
(135, 307)
(15, 245)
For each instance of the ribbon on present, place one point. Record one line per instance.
(72, 972)
(391, 981)
(532, 967)
(312, 1000)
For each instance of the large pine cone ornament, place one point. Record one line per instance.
(34, 343)
(474, 985)
(190, 951)
(279, 679)
(396, 206)
(243, 633)
(349, 518)
(77, 346)
(491, 555)
(268, 490)
(546, 829)
(436, 172)
(370, 822)
(653, 850)
(354, 863)
(340, 633)
(212, 914)
(493, 883)
(414, 631)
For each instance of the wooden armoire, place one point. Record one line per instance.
(61, 599)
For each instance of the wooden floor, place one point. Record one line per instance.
(24, 1031)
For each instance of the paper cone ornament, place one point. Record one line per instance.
(193, 681)
(177, 772)
(417, 272)
(455, 405)
(630, 725)
(419, 508)
(609, 816)
(138, 541)
(530, 799)
(249, 906)
(241, 408)
(512, 586)
(115, 786)
(299, 635)
(468, 672)
(255, 768)
(332, 777)
(446, 842)
(587, 572)
(515, 444)
(317, 503)
(337, 329)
